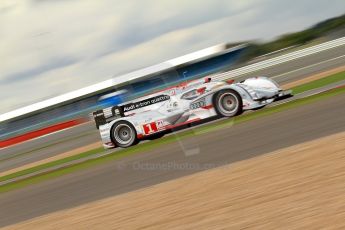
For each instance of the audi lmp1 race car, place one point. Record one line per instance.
(153, 115)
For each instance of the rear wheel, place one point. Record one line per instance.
(123, 134)
(228, 103)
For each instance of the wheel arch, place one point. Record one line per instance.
(236, 90)
(241, 92)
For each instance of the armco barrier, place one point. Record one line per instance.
(280, 59)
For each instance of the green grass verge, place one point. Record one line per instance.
(296, 90)
(50, 164)
(165, 140)
(319, 83)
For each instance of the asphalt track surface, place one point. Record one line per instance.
(190, 155)
(75, 137)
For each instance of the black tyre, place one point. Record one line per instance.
(123, 134)
(228, 103)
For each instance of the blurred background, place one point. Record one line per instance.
(280, 166)
(58, 58)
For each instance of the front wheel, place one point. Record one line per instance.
(228, 103)
(123, 134)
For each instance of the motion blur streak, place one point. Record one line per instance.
(40, 132)
(312, 172)
(221, 147)
(85, 134)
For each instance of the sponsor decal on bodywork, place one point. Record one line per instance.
(146, 102)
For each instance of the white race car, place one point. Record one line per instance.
(153, 115)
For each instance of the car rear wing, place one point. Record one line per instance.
(104, 116)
